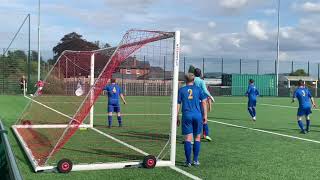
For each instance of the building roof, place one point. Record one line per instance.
(133, 63)
(297, 78)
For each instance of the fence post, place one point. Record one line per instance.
(308, 68)
(184, 65)
(164, 68)
(144, 77)
(318, 71)
(275, 67)
(240, 66)
(257, 66)
(221, 65)
(203, 67)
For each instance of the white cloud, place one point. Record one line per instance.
(269, 12)
(255, 29)
(197, 36)
(311, 7)
(283, 56)
(211, 24)
(233, 4)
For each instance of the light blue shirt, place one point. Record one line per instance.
(200, 83)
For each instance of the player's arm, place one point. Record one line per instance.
(178, 107)
(203, 99)
(123, 99)
(248, 91)
(178, 110)
(205, 90)
(205, 111)
(294, 96)
(312, 100)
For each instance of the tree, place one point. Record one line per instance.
(17, 55)
(73, 41)
(34, 56)
(299, 72)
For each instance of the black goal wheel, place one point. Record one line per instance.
(149, 162)
(26, 122)
(64, 166)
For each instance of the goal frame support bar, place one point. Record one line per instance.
(82, 167)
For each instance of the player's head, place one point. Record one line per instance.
(197, 72)
(189, 78)
(113, 80)
(300, 83)
(251, 81)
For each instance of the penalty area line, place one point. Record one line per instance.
(264, 131)
(144, 153)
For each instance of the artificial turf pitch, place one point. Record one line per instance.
(236, 153)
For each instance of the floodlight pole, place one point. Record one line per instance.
(39, 54)
(278, 49)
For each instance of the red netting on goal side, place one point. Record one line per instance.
(60, 104)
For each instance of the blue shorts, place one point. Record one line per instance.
(114, 108)
(304, 111)
(252, 103)
(191, 123)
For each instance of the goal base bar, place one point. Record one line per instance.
(78, 167)
(102, 166)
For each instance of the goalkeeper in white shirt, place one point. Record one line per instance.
(200, 83)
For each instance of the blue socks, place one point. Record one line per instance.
(250, 112)
(109, 120)
(187, 151)
(196, 150)
(120, 120)
(254, 112)
(205, 130)
(308, 125)
(300, 123)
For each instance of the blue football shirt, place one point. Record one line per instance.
(190, 96)
(303, 95)
(252, 92)
(113, 93)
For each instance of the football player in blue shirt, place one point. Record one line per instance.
(113, 93)
(200, 83)
(189, 97)
(304, 97)
(252, 94)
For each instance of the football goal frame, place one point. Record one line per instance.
(90, 126)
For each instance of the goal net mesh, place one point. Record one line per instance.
(142, 64)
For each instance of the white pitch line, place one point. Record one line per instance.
(264, 131)
(185, 173)
(144, 153)
(282, 106)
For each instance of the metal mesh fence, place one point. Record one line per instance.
(12, 68)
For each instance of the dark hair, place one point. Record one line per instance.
(251, 81)
(197, 72)
(300, 82)
(113, 80)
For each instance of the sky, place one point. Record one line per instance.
(209, 28)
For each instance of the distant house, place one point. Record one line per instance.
(132, 66)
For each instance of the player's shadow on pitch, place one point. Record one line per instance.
(110, 154)
(145, 136)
